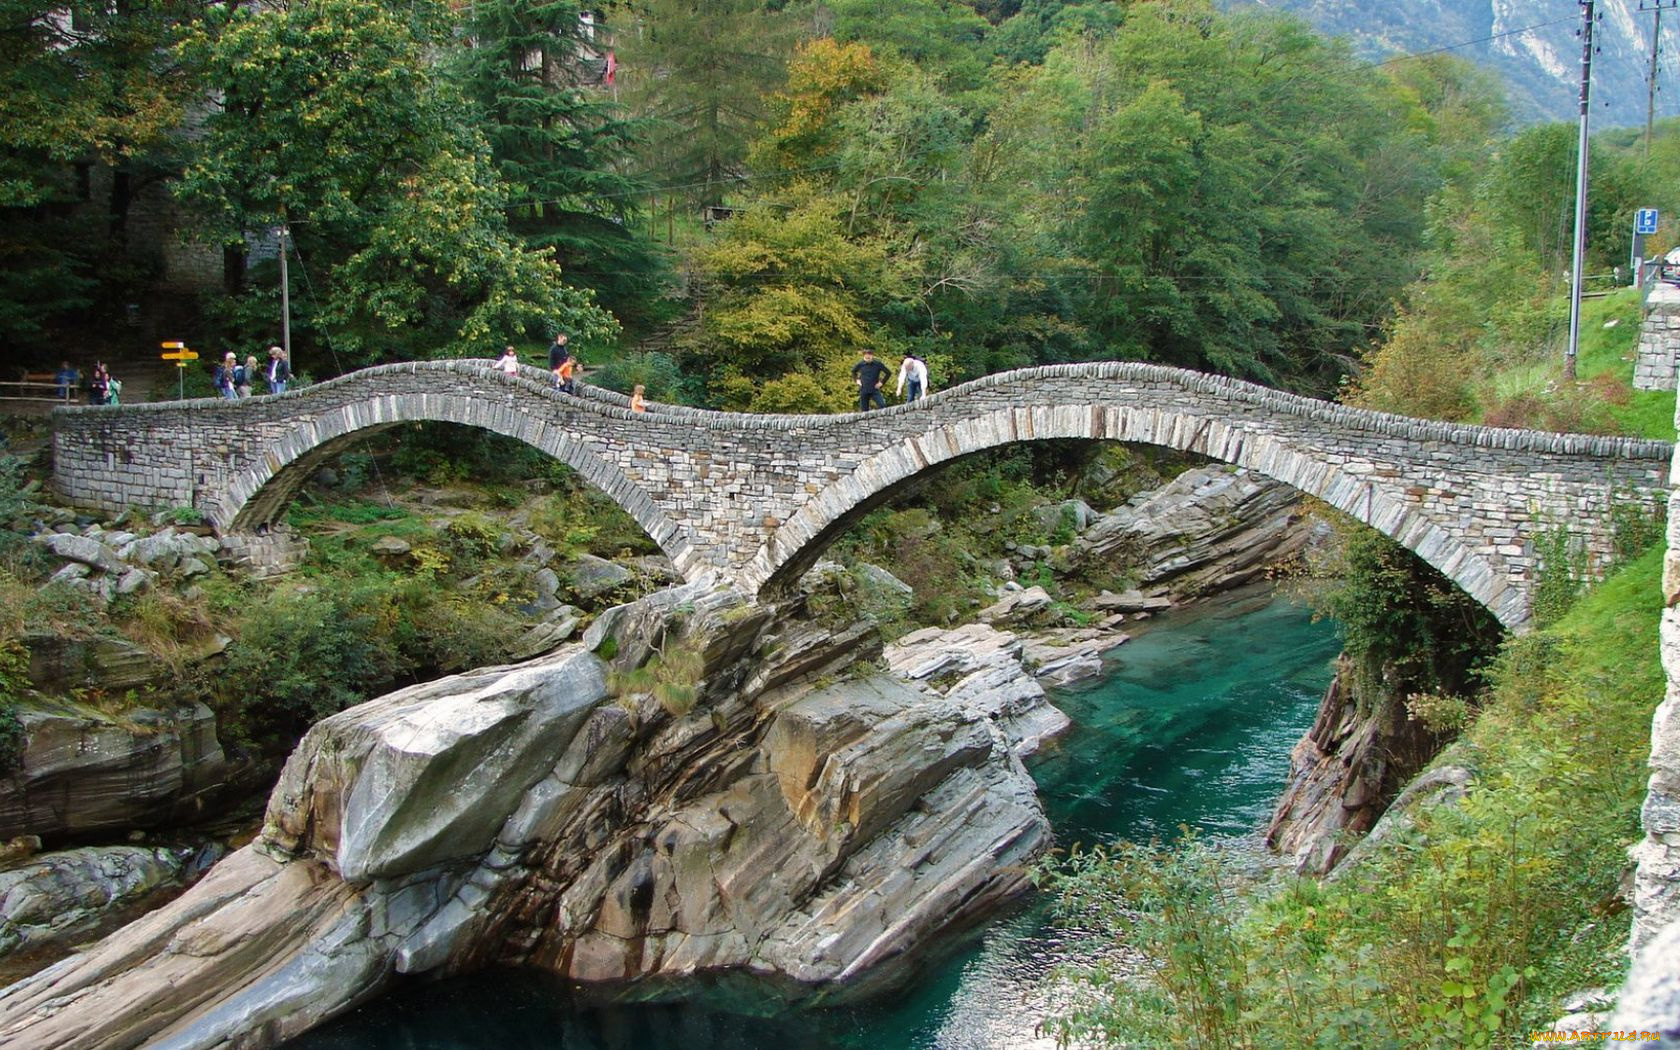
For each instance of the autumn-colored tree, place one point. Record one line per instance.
(788, 293)
(823, 75)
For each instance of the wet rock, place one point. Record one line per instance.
(57, 897)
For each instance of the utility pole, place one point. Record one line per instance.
(285, 298)
(1657, 7)
(1587, 16)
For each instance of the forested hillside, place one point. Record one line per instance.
(989, 185)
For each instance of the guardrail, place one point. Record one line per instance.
(39, 386)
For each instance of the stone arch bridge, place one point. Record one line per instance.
(757, 498)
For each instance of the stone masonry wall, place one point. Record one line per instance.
(1658, 362)
(757, 497)
(1656, 886)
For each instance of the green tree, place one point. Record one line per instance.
(530, 71)
(703, 73)
(1243, 197)
(789, 294)
(942, 37)
(83, 86)
(334, 121)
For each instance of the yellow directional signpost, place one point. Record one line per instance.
(178, 353)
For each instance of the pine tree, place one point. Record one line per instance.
(534, 73)
(704, 73)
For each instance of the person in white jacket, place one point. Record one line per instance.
(912, 371)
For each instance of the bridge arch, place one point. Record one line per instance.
(796, 546)
(260, 489)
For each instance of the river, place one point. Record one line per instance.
(1192, 723)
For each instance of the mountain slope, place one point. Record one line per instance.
(1533, 44)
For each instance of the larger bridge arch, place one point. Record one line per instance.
(756, 498)
(795, 547)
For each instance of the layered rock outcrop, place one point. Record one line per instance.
(1343, 774)
(85, 771)
(702, 784)
(1210, 529)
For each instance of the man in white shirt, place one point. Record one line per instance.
(913, 370)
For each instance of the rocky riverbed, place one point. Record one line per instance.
(700, 785)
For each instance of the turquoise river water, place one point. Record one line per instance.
(1192, 724)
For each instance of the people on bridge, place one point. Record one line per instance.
(870, 376)
(508, 363)
(99, 384)
(912, 372)
(560, 358)
(246, 375)
(68, 379)
(227, 378)
(279, 370)
(637, 402)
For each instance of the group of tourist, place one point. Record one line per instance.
(234, 380)
(871, 378)
(869, 374)
(102, 387)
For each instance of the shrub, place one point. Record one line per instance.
(656, 371)
(14, 680)
(304, 654)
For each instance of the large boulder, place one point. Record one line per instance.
(1210, 529)
(982, 670)
(427, 775)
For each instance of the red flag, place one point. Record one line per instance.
(612, 67)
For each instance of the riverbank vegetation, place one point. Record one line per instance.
(1466, 928)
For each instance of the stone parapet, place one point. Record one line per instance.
(1658, 360)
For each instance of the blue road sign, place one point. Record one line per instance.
(1645, 220)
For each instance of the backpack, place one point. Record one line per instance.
(239, 377)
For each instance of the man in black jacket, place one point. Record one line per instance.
(870, 375)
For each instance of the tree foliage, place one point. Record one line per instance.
(562, 149)
(703, 74)
(81, 85)
(334, 122)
